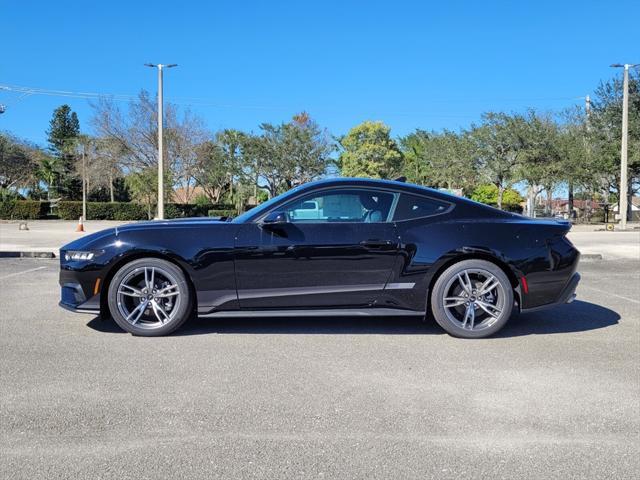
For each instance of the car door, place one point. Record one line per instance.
(332, 248)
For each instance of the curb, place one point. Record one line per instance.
(591, 256)
(27, 255)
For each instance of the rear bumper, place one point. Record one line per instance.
(567, 295)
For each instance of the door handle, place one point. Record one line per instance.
(373, 243)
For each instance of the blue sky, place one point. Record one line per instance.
(427, 65)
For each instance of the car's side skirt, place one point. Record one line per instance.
(327, 312)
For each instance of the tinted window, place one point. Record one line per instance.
(357, 205)
(414, 206)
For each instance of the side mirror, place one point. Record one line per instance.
(277, 217)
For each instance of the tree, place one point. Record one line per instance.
(64, 127)
(95, 164)
(49, 172)
(576, 156)
(537, 140)
(438, 159)
(18, 163)
(369, 151)
(108, 154)
(134, 134)
(219, 161)
(488, 194)
(497, 148)
(286, 155)
(309, 147)
(605, 132)
(419, 151)
(144, 188)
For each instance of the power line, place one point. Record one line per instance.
(207, 102)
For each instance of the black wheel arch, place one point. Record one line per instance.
(447, 261)
(131, 256)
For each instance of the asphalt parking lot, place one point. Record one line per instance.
(554, 395)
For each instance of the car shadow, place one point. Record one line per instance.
(576, 317)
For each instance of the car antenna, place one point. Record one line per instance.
(400, 179)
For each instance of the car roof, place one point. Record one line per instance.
(375, 182)
(401, 186)
(469, 207)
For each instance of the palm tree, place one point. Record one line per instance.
(49, 173)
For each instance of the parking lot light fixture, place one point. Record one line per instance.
(160, 68)
(623, 201)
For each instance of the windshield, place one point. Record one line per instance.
(263, 207)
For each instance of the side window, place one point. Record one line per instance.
(415, 206)
(353, 205)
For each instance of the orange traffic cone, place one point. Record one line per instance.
(80, 227)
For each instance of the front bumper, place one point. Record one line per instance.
(80, 309)
(74, 299)
(78, 290)
(567, 295)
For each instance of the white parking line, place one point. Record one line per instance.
(632, 300)
(20, 273)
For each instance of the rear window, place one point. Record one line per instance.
(414, 206)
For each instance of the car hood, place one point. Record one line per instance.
(88, 241)
(97, 238)
(175, 222)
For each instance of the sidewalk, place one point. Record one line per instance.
(46, 235)
(49, 235)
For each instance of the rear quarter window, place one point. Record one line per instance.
(415, 206)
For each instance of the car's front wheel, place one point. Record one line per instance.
(149, 297)
(472, 299)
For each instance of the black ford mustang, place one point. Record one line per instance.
(333, 247)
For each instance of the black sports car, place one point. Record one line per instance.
(333, 247)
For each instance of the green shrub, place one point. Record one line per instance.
(130, 211)
(221, 213)
(68, 210)
(202, 199)
(183, 210)
(23, 210)
(598, 216)
(7, 194)
(72, 210)
(488, 194)
(6, 209)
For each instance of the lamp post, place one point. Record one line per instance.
(160, 67)
(84, 183)
(623, 203)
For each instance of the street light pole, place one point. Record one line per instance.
(623, 201)
(84, 184)
(160, 67)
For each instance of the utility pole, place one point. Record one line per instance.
(623, 202)
(570, 201)
(160, 67)
(84, 183)
(587, 106)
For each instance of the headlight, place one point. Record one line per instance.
(80, 256)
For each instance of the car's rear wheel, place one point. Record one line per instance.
(149, 297)
(472, 299)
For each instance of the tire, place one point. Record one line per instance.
(472, 299)
(149, 297)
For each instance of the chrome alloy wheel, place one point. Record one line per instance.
(148, 297)
(474, 299)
